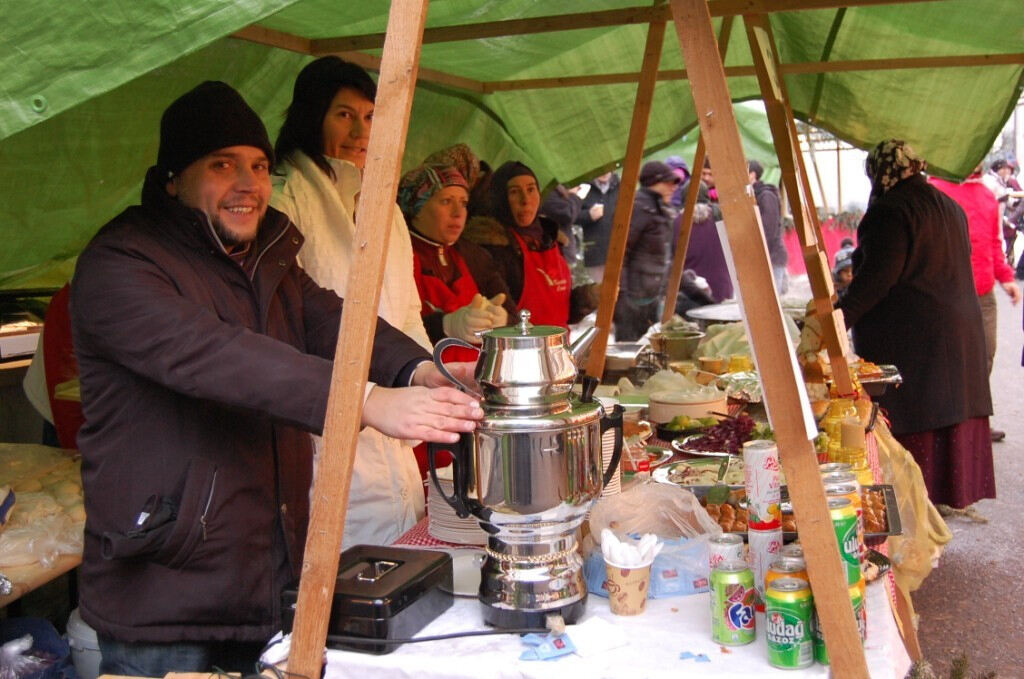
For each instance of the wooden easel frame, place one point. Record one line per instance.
(787, 404)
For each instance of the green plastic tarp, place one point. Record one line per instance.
(84, 83)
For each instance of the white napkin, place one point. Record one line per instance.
(629, 554)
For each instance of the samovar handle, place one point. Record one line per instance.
(461, 469)
(439, 349)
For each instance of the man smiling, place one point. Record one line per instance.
(205, 355)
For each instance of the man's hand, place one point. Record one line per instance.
(427, 375)
(437, 414)
(1013, 290)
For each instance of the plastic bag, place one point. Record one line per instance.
(666, 510)
(32, 649)
(44, 540)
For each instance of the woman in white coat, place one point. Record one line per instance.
(321, 151)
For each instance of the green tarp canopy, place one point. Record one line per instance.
(84, 83)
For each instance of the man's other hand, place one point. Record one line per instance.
(436, 414)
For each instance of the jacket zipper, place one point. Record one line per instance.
(259, 257)
(209, 501)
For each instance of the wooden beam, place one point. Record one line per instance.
(675, 276)
(627, 192)
(799, 461)
(784, 397)
(507, 28)
(372, 63)
(570, 22)
(355, 339)
(272, 38)
(797, 68)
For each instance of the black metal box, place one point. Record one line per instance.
(382, 593)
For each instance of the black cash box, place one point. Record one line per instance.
(382, 593)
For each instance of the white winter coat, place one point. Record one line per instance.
(386, 497)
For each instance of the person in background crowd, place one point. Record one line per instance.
(846, 248)
(562, 206)
(842, 275)
(705, 255)
(524, 245)
(322, 152)
(596, 215)
(708, 178)
(645, 265)
(459, 286)
(682, 171)
(987, 260)
(912, 303)
(205, 356)
(770, 206)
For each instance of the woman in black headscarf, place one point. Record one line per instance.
(524, 245)
(912, 303)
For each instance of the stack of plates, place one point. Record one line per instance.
(443, 524)
(614, 486)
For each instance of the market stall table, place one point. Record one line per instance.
(654, 639)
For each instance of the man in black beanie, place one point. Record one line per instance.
(206, 355)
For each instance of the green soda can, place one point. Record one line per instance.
(844, 520)
(859, 612)
(788, 614)
(732, 603)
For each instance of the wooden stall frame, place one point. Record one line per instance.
(396, 87)
(675, 276)
(627, 192)
(785, 399)
(794, 176)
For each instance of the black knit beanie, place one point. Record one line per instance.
(209, 117)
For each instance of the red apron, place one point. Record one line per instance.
(547, 284)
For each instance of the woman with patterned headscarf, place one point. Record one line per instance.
(460, 289)
(912, 303)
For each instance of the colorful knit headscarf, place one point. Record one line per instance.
(419, 184)
(890, 162)
(459, 156)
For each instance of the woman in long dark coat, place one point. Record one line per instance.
(912, 303)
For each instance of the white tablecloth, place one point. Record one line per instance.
(657, 638)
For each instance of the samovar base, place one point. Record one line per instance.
(506, 618)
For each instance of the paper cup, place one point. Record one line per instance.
(627, 588)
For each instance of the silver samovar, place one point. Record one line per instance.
(530, 471)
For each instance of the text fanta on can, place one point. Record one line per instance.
(724, 547)
(732, 603)
(788, 619)
(785, 567)
(844, 521)
(859, 612)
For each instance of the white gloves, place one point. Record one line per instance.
(476, 317)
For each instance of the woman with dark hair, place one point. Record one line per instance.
(912, 303)
(321, 151)
(524, 245)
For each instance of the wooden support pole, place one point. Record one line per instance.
(794, 176)
(675, 276)
(785, 399)
(627, 192)
(352, 358)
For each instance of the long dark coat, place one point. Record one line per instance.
(912, 303)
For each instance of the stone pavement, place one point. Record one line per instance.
(969, 603)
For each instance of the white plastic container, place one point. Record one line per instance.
(85, 649)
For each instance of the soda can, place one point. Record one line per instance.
(785, 567)
(762, 483)
(732, 604)
(724, 547)
(859, 612)
(763, 548)
(793, 550)
(830, 467)
(844, 521)
(789, 610)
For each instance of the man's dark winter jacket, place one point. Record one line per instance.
(199, 385)
(770, 206)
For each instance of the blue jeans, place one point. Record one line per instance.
(156, 660)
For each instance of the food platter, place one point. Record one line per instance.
(655, 455)
(875, 385)
(684, 445)
(697, 472)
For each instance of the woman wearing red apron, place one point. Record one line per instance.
(524, 246)
(458, 283)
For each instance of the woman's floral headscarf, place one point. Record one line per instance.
(419, 184)
(459, 156)
(889, 163)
